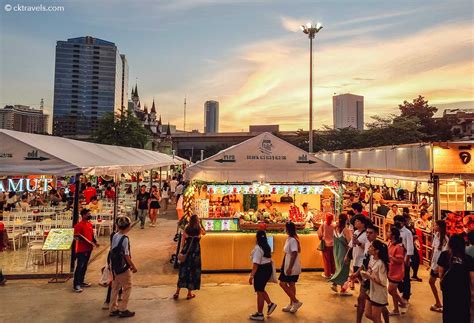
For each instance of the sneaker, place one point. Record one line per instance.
(417, 279)
(114, 313)
(295, 307)
(404, 309)
(257, 317)
(287, 308)
(324, 276)
(77, 289)
(334, 288)
(86, 285)
(393, 313)
(271, 308)
(126, 313)
(105, 306)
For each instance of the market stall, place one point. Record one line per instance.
(259, 184)
(434, 178)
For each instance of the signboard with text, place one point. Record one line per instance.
(59, 240)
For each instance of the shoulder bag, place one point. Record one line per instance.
(183, 256)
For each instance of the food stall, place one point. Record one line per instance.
(441, 172)
(259, 184)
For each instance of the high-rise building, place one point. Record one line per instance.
(348, 111)
(211, 117)
(23, 118)
(88, 82)
(124, 101)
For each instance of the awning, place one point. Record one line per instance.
(25, 153)
(264, 158)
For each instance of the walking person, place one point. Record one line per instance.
(377, 274)
(415, 259)
(122, 266)
(154, 209)
(291, 268)
(407, 240)
(326, 236)
(173, 184)
(358, 244)
(342, 237)
(396, 273)
(143, 199)
(262, 271)
(165, 196)
(455, 271)
(85, 242)
(439, 244)
(190, 267)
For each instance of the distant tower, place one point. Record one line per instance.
(211, 117)
(348, 111)
(184, 124)
(153, 111)
(42, 105)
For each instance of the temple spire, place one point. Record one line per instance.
(153, 109)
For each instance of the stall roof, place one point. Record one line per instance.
(263, 158)
(26, 153)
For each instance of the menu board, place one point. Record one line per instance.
(59, 239)
(221, 224)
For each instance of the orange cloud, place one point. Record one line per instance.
(267, 82)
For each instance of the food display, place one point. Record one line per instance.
(233, 207)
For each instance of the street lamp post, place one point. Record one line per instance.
(311, 30)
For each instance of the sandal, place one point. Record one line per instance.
(435, 308)
(190, 296)
(176, 296)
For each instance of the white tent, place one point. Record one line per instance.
(263, 158)
(25, 153)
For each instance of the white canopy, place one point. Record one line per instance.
(263, 158)
(25, 153)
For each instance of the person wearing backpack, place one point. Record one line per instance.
(122, 267)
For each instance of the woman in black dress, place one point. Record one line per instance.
(154, 205)
(190, 269)
(454, 271)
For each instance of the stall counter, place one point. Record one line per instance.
(231, 251)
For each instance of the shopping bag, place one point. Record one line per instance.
(106, 277)
(273, 278)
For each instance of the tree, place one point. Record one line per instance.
(121, 130)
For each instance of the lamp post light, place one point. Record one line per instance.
(311, 30)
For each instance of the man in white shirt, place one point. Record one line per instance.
(407, 240)
(173, 185)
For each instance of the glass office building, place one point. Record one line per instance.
(88, 82)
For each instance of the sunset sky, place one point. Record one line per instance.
(251, 56)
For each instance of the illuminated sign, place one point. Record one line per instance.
(465, 157)
(25, 184)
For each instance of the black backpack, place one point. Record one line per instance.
(116, 258)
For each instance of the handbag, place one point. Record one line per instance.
(182, 257)
(322, 245)
(273, 278)
(106, 277)
(349, 251)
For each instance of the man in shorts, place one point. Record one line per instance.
(143, 199)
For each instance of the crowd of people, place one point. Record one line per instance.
(383, 268)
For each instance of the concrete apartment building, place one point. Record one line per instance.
(348, 111)
(24, 118)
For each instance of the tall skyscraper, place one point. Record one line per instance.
(89, 81)
(124, 101)
(348, 111)
(23, 118)
(211, 117)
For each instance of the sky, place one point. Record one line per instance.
(251, 56)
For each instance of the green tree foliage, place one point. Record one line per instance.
(121, 130)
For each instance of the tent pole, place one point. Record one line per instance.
(75, 216)
(160, 179)
(117, 185)
(436, 209)
(151, 178)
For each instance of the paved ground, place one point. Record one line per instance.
(223, 297)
